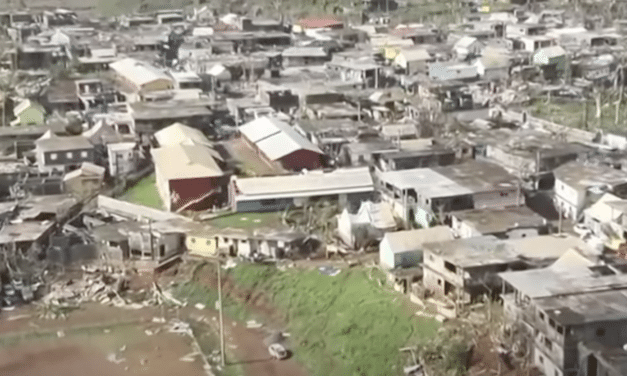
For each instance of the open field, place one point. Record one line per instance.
(247, 220)
(45, 353)
(144, 193)
(349, 324)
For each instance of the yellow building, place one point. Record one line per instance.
(202, 243)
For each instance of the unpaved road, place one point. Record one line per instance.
(246, 347)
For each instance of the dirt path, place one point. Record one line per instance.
(55, 359)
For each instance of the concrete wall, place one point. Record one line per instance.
(499, 199)
(204, 246)
(569, 198)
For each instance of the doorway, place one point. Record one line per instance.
(592, 365)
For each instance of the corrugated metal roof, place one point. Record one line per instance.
(138, 72)
(56, 143)
(275, 138)
(185, 162)
(340, 181)
(178, 133)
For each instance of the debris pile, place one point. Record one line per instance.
(100, 286)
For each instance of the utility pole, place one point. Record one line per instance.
(222, 355)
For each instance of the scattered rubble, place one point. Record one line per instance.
(100, 286)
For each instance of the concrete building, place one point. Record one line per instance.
(425, 195)
(281, 192)
(577, 186)
(62, 154)
(509, 223)
(84, 182)
(403, 249)
(576, 319)
(464, 269)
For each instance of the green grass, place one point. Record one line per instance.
(572, 114)
(247, 220)
(195, 292)
(144, 193)
(342, 325)
(118, 7)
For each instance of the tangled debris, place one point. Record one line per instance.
(106, 287)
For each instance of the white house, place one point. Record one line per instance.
(467, 46)
(123, 157)
(403, 249)
(577, 186)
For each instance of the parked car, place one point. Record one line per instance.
(277, 351)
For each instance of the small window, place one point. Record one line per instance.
(69, 155)
(541, 316)
(560, 329)
(84, 154)
(600, 332)
(439, 282)
(53, 156)
(548, 344)
(541, 359)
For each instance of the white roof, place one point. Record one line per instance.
(601, 211)
(185, 162)
(86, 167)
(219, 71)
(465, 42)
(424, 180)
(412, 240)
(185, 76)
(415, 54)
(379, 215)
(138, 72)
(120, 146)
(276, 138)
(313, 183)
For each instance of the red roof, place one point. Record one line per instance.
(319, 22)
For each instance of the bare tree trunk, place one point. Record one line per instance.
(620, 95)
(597, 101)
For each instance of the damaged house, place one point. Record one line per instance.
(574, 320)
(426, 195)
(464, 269)
(578, 185)
(368, 225)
